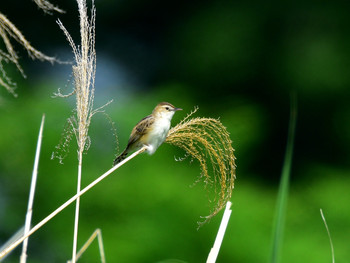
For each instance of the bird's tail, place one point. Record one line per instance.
(120, 158)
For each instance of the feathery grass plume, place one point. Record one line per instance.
(84, 89)
(62, 149)
(207, 140)
(7, 31)
(84, 74)
(47, 6)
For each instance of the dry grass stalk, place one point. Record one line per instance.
(9, 31)
(5, 246)
(47, 6)
(207, 141)
(23, 257)
(6, 249)
(97, 233)
(214, 252)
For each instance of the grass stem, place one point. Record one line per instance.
(77, 207)
(329, 235)
(214, 252)
(97, 233)
(23, 257)
(283, 190)
(8, 249)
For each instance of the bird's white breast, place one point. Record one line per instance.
(158, 134)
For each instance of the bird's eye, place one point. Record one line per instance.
(167, 108)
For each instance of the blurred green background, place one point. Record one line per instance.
(238, 61)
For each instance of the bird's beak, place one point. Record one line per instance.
(176, 109)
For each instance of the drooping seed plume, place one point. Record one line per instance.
(9, 31)
(47, 7)
(207, 141)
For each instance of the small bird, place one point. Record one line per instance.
(151, 131)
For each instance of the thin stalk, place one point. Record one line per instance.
(97, 233)
(23, 257)
(67, 203)
(283, 190)
(214, 252)
(17, 235)
(329, 235)
(101, 248)
(77, 207)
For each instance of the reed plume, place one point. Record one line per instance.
(84, 88)
(47, 7)
(207, 141)
(9, 31)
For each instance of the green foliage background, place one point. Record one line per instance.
(236, 60)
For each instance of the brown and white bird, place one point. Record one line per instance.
(151, 131)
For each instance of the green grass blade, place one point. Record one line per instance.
(329, 235)
(282, 197)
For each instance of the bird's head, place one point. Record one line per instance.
(165, 110)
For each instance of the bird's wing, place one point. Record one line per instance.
(141, 129)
